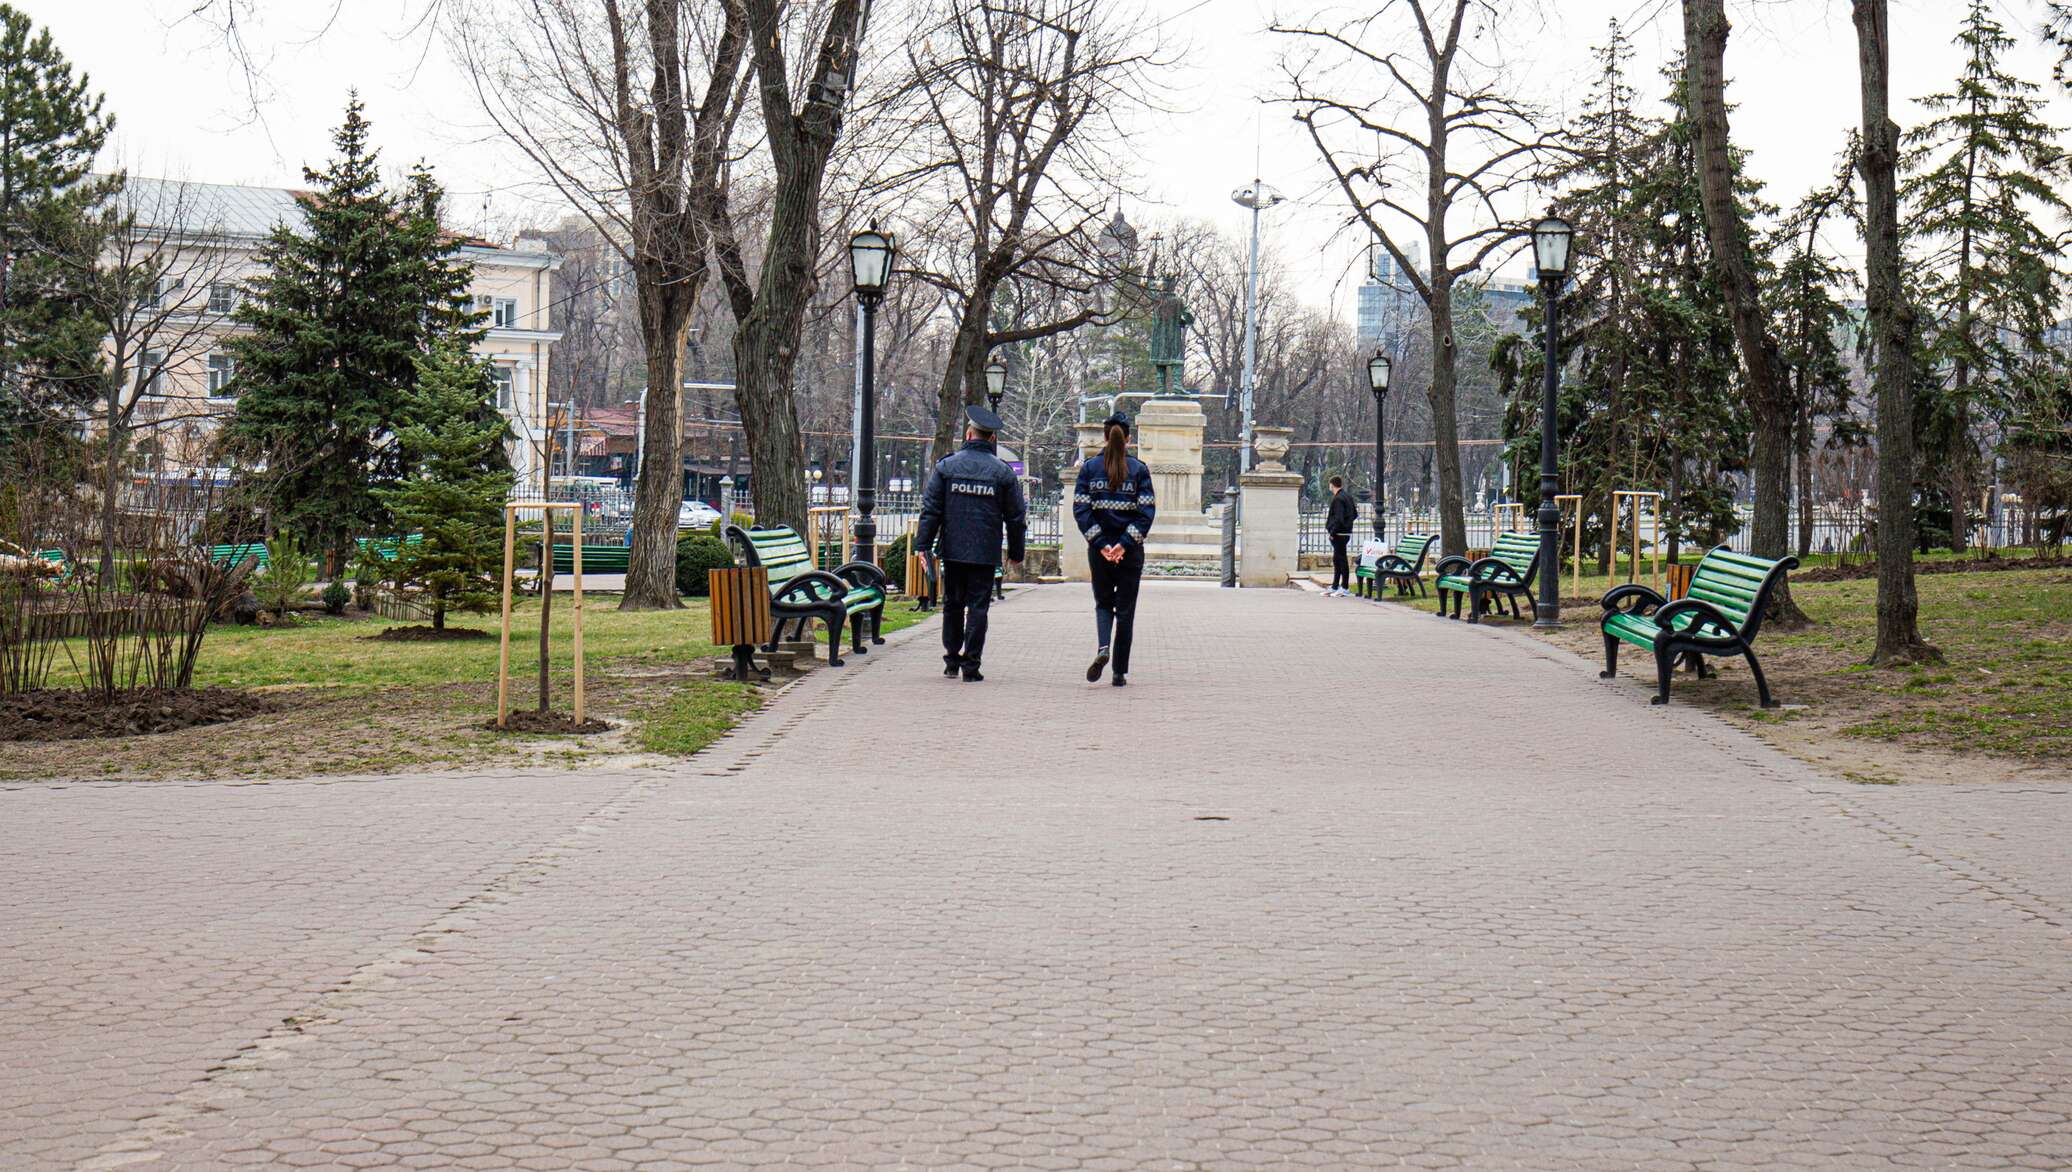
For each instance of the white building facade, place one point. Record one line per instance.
(192, 393)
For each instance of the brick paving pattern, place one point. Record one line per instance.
(1330, 884)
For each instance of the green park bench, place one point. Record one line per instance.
(238, 553)
(1720, 615)
(597, 559)
(1505, 575)
(846, 596)
(1401, 567)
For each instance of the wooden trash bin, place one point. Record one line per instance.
(1680, 579)
(741, 615)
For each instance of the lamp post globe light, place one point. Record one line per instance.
(1378, 382)
(1550, 243)
(996, 383)
(870, 262)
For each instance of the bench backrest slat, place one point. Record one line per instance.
(1738, 585)
(1411, 547)
(1520, 551)
(781, 551)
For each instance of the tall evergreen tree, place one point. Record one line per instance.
(1983, 174)
(350, 299)
(455, 479)
(1649, 393)
(51, 127)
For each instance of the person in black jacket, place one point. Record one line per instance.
(1338, 523)
(1113, 504)
(971, 497)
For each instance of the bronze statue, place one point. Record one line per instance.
(1169, 323)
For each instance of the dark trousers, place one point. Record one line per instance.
(1341, 568)
(967, 594)
(1115, 602)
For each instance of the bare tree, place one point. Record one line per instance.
(799, 136)
(1892, 325)
(627, 110)
(1469, 148)
(1017, 103)
(1769, 392)
(153, 273)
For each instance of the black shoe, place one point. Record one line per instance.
(949, 671)
(1120, 680)
(971, 675)
(1094, 669)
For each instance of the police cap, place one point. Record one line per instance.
(982, 418)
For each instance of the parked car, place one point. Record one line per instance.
(696, 515)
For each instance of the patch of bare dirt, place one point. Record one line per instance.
(532, 720)
(423, 634)
(1948, 566)
(61, 715)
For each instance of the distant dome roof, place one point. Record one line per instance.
(1120, 233)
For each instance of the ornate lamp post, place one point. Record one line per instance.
(870, 261)
(1550, 241)
(1378, 381)
(996, 383)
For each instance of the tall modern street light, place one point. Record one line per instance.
(1550, 240)
(1378, 381)
(1258, 197)
(996, 383)
(870, 261)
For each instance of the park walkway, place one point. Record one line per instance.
(1330, 884)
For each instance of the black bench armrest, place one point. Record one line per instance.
(1450, 563)
(1495, 570)
(801, 586)
(1708, 615)
(862, 574)
(1644, 599)
(1390, 562)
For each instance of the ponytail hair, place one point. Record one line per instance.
(1115, 456)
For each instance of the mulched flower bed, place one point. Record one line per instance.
(428, 634)
(56, 715)
(532, 720)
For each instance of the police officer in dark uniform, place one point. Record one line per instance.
(971, 497)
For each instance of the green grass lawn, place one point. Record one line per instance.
(356, 704)
(2004, 689)
(2005, 685)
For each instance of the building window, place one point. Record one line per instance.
(505, 377)
(502, 312)
(159, 290)
(222, 296)
(221, 368)
(151, 372)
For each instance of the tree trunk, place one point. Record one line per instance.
(1705, 47)
(1960, 462)
(963, 373)
(1804, 444)
(546, 602)
(1453, 524)
(1891, 329)
(665, 317)
(111, 478)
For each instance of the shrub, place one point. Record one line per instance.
(719, 525)
(336, 595)
(694, 556)
(892, 559)
(279, 586)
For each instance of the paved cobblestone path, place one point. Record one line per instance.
(1331, 884)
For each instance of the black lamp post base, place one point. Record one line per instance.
(1547, 620)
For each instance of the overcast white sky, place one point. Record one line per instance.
(182, 109)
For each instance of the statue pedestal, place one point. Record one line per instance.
(1271, 540)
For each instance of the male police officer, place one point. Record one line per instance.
(972, 495)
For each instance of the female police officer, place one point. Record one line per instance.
(1113, 505)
